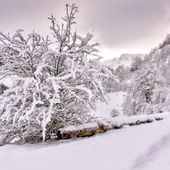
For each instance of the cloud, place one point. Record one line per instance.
(117, 23)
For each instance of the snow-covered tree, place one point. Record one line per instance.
(145, 91)
(56, 84)
(150, 84)
(136, 64)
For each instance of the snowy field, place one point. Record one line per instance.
(144, 147)
(115, 101)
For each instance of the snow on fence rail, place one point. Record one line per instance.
(103, 125)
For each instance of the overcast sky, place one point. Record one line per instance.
(121, 26)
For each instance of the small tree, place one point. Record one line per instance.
(55, 86)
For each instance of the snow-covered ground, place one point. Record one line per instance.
(115, 101)
(144, 147)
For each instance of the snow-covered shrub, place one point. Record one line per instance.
(2, 88)
(114, 113)
(56, 85)
(21, 57)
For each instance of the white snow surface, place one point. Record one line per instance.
(144, 147)
(115, 101)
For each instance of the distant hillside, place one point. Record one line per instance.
(125, 59)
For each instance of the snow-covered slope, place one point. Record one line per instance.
(143, 147)
(125, 60)
(115, 101)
